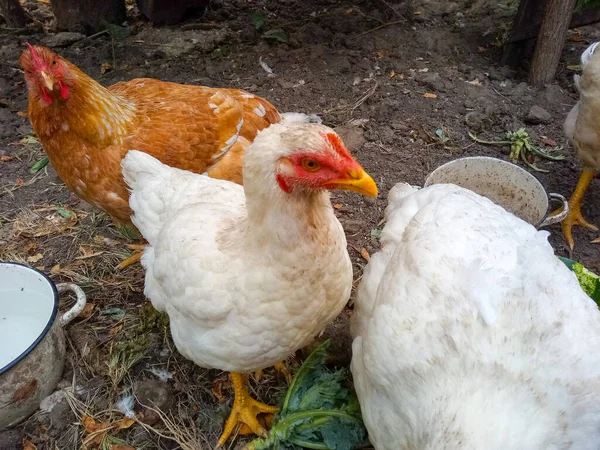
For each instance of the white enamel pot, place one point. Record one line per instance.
(504, 183)
(32, 342)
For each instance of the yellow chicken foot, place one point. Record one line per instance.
(283, 370)
(138, 248)
(575, 217)
(279, 367)
(245, 410)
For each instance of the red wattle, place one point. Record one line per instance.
(64, 91)
(46, 97)
(282, 184)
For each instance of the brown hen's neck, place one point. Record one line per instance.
(91, 111)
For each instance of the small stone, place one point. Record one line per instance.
(153, 395)
(476, 120)
(434, 81)
(520, 90)
(538, 115)
(64, 39)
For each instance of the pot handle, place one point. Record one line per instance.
(79, 305)
(549, 220)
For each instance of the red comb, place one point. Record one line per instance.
(34, 54)
(338, 145)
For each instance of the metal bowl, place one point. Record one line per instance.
(504, 183)
(32, 353)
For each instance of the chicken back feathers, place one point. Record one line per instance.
(87, 134)
(469, 333)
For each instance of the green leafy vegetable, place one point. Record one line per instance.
(39, 165)
(318, 412)
(258, 20)
(589, 281)
(276, 34)
(375, 233)
(64, 213)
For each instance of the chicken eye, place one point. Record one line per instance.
(310, 165)
(53, 63)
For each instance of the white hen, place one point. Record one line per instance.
(249, 274)
(471, 334)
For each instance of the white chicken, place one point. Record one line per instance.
(470, 334)
(582, 127)
(249, 274)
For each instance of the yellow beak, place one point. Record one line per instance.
(47, 81)
(357, 181)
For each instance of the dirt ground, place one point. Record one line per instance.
(364, 66)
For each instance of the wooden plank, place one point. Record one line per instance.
(580, 18)
(550, 41)
(514, 52)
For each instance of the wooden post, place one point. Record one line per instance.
(553, 32)
(13, 14)
(515, 48)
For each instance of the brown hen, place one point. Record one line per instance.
(86, 129)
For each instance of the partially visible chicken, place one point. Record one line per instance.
(86, 129)
(582, 127)
(249, 274)
(470, 334)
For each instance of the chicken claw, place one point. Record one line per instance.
(245, 409)
(575, 217)
(279, 367)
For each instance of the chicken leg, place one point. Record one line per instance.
(245, 409)
(575, 217)
(279, 367)
(139, 249)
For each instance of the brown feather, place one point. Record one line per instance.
(194, 128)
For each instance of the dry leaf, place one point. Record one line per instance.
(115, 330)
(86, 251)
(475, 82)
(25, 391)
(123, 424)
(87, 311)
(120, 447)
(338, 205)
(5, 158)
(23, 113)
(105, 67)
(35, 258)
(365, 254)
(392, 74)
(29, 247)
(19, 182)
(28, 445)
(425, 69)
(55, 269)
(96, 431)
(89, 424)
(429, 95)
(217, 390)
(382, 53)
(548, 141)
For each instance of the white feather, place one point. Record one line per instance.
(247, 275)
(471, 334)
